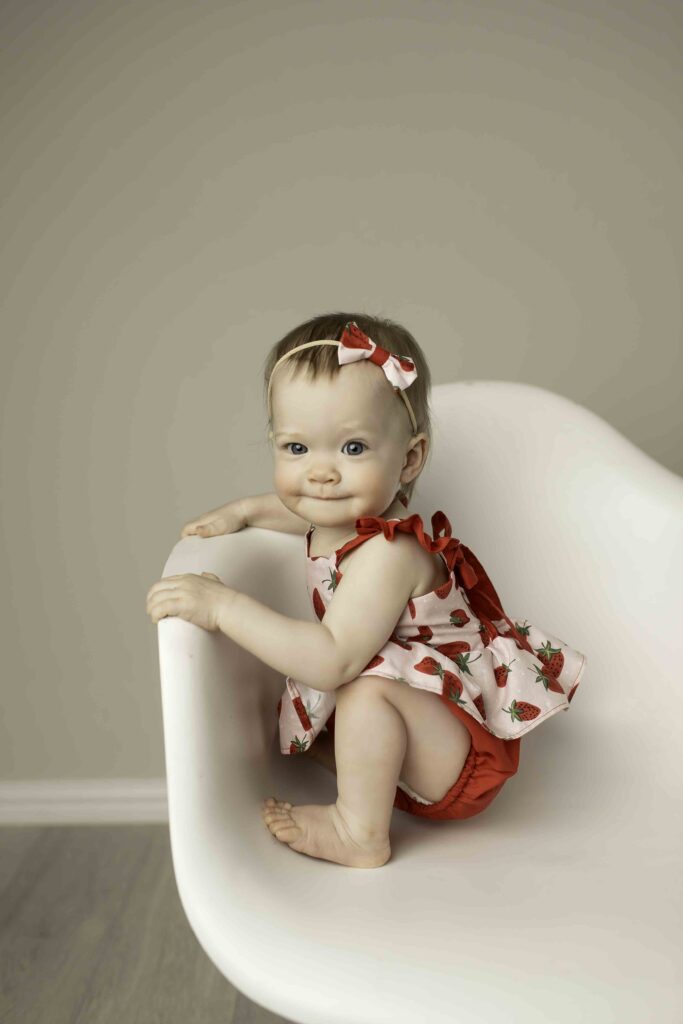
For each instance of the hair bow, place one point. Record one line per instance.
(354, 344)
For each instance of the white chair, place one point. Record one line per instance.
(559, 903)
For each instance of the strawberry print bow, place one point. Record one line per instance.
(354, 344)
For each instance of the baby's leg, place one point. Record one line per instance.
(422, 742)
(438, 741)
(370, 742)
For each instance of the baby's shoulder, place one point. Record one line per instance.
(379, 551)
(430, 568)
(424, 569)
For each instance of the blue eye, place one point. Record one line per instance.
(298, 444)
(362, 443)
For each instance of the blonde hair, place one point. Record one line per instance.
(322, 360)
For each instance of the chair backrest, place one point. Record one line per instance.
(580, 854)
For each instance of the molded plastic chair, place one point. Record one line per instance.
(559, 903)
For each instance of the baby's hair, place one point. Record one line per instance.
(322, 359)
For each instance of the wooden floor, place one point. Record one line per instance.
(92, 931)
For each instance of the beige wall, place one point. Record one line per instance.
(184, 182)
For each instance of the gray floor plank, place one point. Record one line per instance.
(92, 931)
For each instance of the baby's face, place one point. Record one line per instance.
(339, 444)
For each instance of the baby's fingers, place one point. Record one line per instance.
(199, 529)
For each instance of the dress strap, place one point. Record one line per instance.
(364, 533)
(450, 547)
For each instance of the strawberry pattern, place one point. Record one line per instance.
(456, 640)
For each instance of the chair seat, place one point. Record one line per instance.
(562, 901)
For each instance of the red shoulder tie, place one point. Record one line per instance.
(453, 550)
(469, 571)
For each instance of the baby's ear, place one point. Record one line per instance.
(211, 574)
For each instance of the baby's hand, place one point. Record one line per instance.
(197, 599)
(226, 519)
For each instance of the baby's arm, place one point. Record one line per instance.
(264, 510)
(367, 604)
(370, 599)
(268, 512)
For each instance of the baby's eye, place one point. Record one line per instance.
(361, 443)
(288, 445)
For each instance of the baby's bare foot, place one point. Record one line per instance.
(319, 830)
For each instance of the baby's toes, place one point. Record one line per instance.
(277, 814)
(276, 806)
(285, 828)
(276, 811)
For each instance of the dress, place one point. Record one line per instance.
(501, 677)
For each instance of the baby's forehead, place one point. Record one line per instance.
(331, 421)
(355, 389)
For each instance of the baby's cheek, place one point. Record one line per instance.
(282, 478)
(279, 475)
(286, 487)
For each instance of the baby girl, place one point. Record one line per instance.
(424, 683)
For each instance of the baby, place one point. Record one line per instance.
(424, 683)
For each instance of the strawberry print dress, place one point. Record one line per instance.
(456, 640)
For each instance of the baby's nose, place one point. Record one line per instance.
(324, 474)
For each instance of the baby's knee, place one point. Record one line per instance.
(363, 687)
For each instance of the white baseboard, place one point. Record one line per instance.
(83, 802)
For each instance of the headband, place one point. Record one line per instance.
(353, 345)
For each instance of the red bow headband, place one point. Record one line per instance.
(354, 345)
